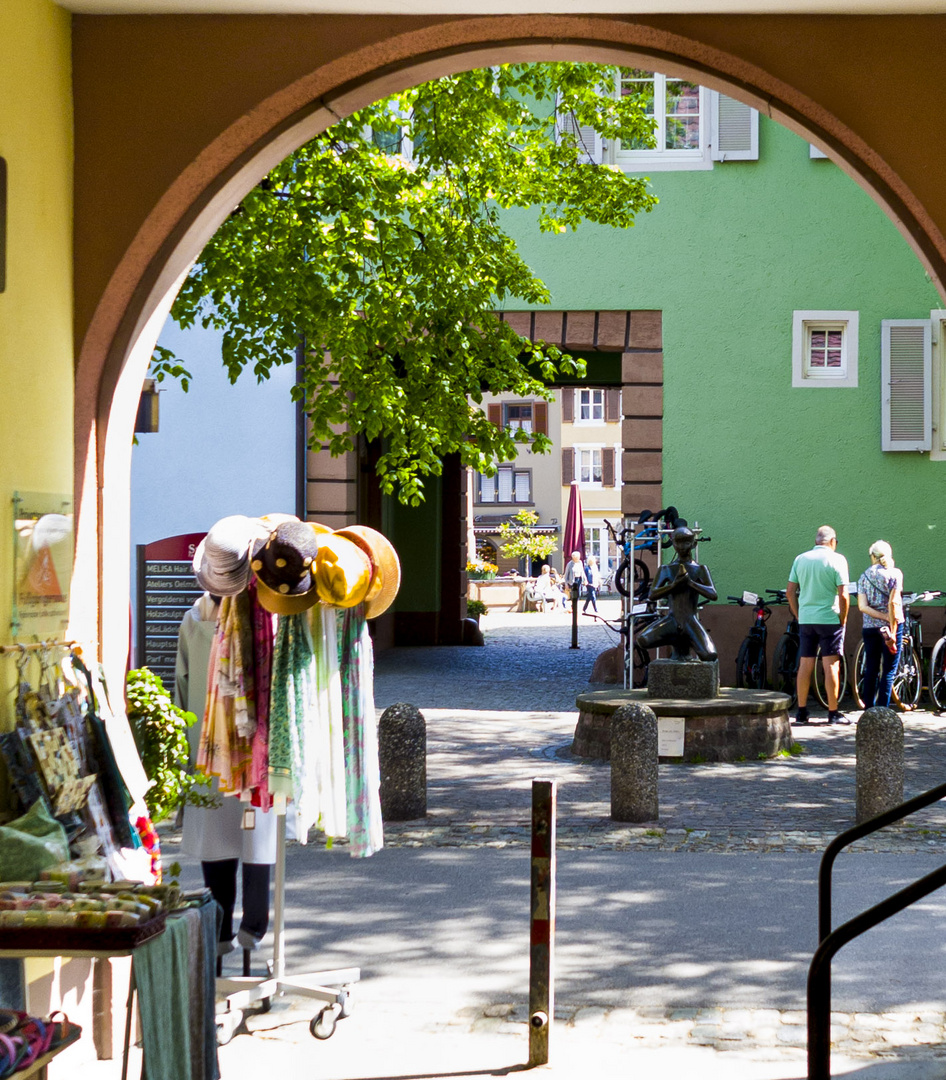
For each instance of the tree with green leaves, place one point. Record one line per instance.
(521, 541)
(380, 246)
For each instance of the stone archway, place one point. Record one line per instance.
(132, 251)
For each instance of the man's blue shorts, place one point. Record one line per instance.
(830, 636)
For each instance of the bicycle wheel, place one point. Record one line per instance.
(908, 682)
(938, 675)
(641, 582)
(750, 665)
(785, 667)
(857, 683)
(820, 688)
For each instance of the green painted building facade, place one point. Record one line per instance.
(729, 255)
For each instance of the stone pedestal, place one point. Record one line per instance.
(402, 756)
(737, 725)
(879, 744)
(634, 764)
(687, 679)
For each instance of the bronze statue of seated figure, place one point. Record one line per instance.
(685, 583)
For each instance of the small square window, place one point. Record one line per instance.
(824, 348)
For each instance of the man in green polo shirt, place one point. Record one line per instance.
(817, 595)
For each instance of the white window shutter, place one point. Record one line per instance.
(906, 367)
(590, 147)
(735, 130)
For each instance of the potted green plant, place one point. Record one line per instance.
(474, 609)
(160, 730)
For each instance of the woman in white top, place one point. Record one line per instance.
(879, 591)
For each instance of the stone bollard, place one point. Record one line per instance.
(402, 753)
(879, 744)
(634, 764)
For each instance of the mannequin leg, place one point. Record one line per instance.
(255, 921)
(220, 878)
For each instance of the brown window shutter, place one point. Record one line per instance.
(495, 414)
(540, 418)
(607, 466)
(612, 404)
(568, 405)
(568, 465)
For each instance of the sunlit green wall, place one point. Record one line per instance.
(728, 255)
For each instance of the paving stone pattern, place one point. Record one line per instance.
(498, 716)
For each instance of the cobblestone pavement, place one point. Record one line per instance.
(500, 715)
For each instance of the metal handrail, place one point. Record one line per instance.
(819, 973)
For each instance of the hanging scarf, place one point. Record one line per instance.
(223, 752)
(362, 769)
(290, 698)
(327, 727)
(262, 621)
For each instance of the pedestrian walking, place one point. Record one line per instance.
(574, 574)
(817, 596)
(879, 591)
(592, 583)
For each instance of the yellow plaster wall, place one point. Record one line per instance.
(36, 337)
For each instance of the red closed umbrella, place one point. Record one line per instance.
(573, 539)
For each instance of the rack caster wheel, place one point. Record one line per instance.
(322, 1025)
(227, 1024)
(345, 1004)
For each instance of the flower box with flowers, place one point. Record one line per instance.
(481, 571)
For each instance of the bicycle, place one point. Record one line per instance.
(643, 615)
(908, 680)
(750, 660)
(785, 661)
(936, 676)
(642, 539)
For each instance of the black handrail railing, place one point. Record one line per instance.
(819, 973)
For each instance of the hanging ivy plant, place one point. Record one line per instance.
(160, 730)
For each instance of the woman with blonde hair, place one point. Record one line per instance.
(879, 591)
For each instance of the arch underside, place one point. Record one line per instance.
(174, 121)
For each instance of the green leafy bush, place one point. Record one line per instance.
(160, 730)
(475, 608)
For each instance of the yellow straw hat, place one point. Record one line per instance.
(385, 567)
(342, 571)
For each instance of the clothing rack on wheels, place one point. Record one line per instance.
(332, 987)
(298, 721)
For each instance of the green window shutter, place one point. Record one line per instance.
(906, 368)
(735, 130)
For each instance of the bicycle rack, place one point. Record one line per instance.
(628, 602)
(830, 941)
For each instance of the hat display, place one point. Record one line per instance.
(342, 571)
(222, 559)
(283, 564)
(385, 567)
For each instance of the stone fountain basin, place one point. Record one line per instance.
(736, 725)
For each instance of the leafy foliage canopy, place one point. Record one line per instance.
(380, 245)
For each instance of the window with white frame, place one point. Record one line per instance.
(509, 486)
(588, 466)
(590, 406)
(824, 348)
(679, 113)
(599, 543)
